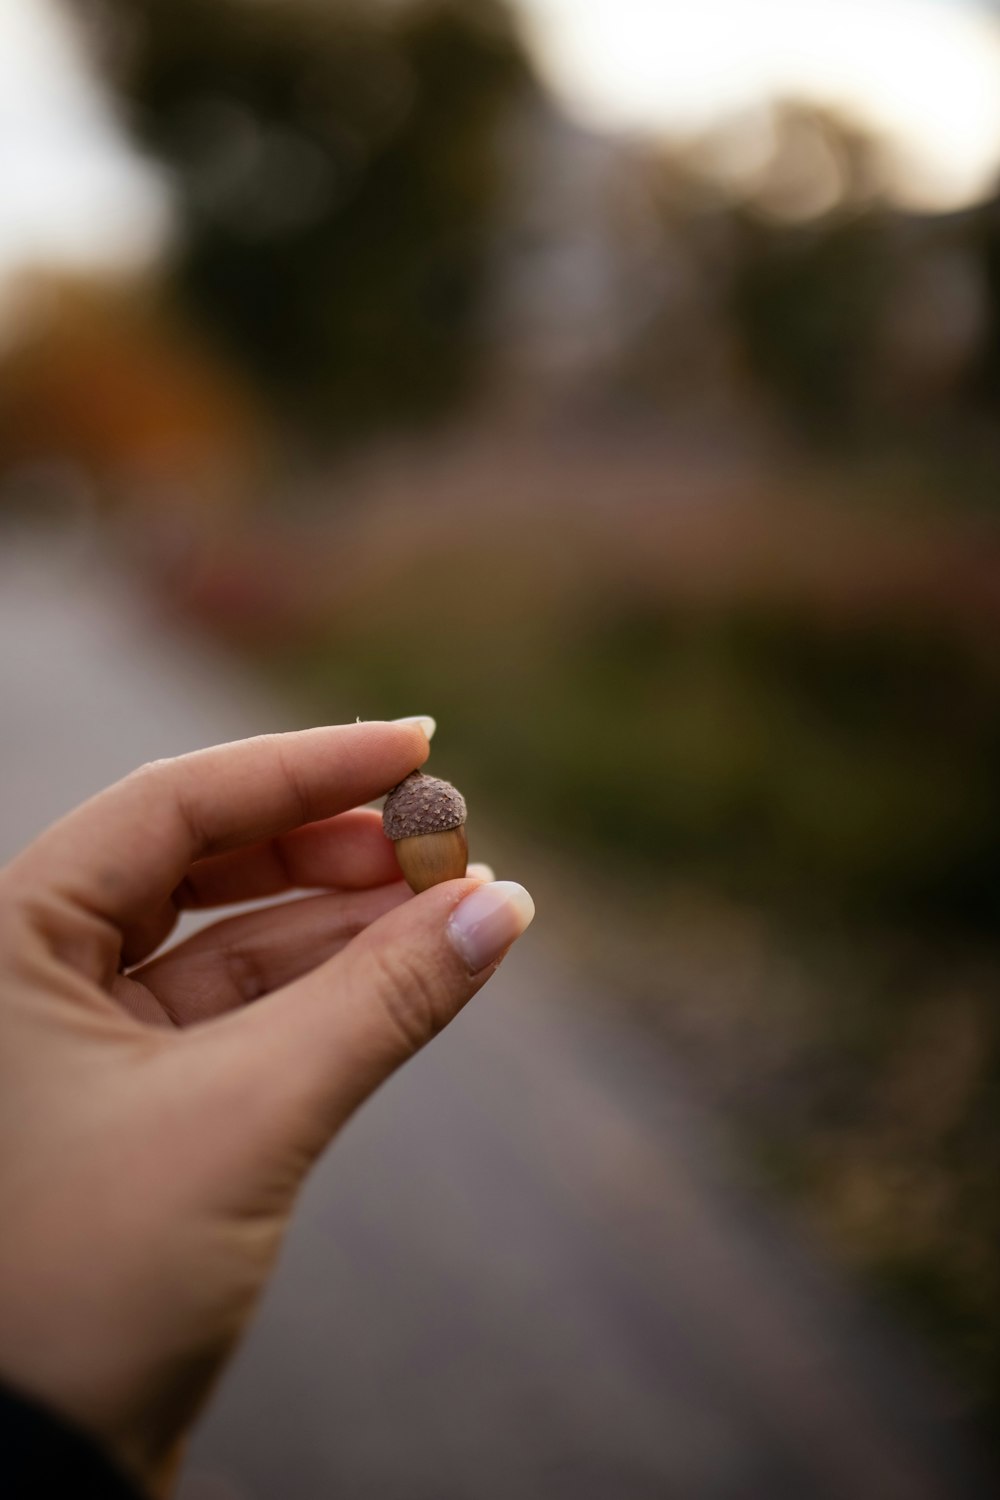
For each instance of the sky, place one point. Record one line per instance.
(71, 192)
(925, 73)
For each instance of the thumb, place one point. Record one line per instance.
(316, 1049)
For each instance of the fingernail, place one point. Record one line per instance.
(481, 872)
(427, 724)
(487, 922)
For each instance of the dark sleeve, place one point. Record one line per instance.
(41, 1455)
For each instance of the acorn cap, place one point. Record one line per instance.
(422, 804)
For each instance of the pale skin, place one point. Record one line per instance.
(155, 1125)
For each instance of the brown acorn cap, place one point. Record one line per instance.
(422, 804)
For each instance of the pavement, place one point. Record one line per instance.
(527, 1270)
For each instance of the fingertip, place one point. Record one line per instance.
(424, 721)
(398, 983)
(488, 920)
(419, 730)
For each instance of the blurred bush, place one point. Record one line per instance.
(792, 740)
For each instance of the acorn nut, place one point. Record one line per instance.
(425, 818)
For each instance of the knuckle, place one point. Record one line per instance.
(352, 924)
(37, 919)
(298, 789)
(248, 972)
(12, 911)
(152, 782)
(152, 770)
(166, 785)
(414, 1003)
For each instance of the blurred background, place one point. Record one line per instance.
(619, 382)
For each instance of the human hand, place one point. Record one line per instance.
(156, 1126)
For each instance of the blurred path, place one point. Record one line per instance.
(522, 1275)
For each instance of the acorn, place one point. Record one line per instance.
(425, 818)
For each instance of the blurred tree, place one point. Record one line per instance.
(983, 235)
(337, 177)
(785, 262)
(806, 304)
(812, 271)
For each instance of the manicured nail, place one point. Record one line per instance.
(481, 872)
(487, 922)
(427, 724)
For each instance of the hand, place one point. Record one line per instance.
(156, 1126)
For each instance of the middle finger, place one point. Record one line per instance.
(240, 959)
(347, 852)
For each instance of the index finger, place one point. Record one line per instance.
(128, 847)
